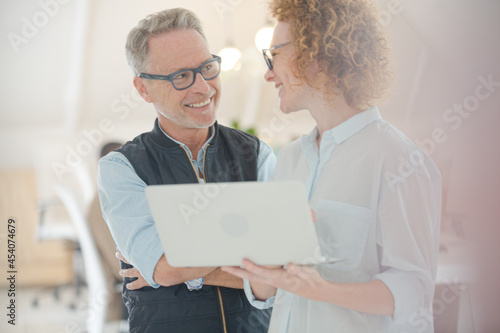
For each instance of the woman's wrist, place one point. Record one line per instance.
(262, 291)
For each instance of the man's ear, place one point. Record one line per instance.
(141, 87)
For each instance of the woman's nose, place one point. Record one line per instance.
(269, 76)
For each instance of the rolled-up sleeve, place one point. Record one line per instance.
(261, 305)
(409, 219)
(126, 211)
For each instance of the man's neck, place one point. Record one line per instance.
(193, 138)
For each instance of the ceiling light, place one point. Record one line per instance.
(230, 58)
(263, 38)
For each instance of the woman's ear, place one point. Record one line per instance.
(316, 73)
(316, 66)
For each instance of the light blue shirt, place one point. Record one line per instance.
(126, 211)
(377, 200)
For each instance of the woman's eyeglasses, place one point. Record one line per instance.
(268, 57)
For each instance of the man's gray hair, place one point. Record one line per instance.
(167, 20)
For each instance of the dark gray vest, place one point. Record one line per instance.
(230, 156)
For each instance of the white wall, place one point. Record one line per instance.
(69, 82)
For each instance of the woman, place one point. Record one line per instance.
(376, 196)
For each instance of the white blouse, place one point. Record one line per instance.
(377, 199)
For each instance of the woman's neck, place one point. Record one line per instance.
(331, 113)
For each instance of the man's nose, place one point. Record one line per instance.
(200, 84)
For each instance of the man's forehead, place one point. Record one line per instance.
(179, 64)
(177, 50)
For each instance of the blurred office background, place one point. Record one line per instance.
(66, 90)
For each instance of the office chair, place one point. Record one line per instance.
(98, 293)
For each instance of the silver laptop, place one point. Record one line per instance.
(219, 224)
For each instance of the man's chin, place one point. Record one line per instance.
(198, 124)
(189, 122)
(205, 124)
(201, 120)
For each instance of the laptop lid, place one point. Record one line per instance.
(219, 224)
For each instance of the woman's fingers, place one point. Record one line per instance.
(256, 273)
(244, 274)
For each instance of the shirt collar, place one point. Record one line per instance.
(200, 153)
(348, 128)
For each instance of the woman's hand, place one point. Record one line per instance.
(303, 281)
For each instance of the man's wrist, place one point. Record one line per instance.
(195, 284)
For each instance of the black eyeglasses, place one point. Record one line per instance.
(185, 78)
(268, 57)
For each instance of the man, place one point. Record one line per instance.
(176, 73)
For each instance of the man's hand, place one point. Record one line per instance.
(164, 274)
(223, 279)
(132, 273)
(167, 275)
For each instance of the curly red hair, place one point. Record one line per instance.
(346, 39)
